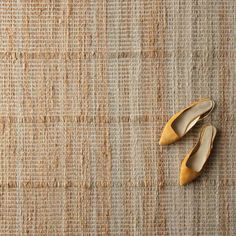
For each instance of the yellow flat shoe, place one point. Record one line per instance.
(194, 161)
(181, 122)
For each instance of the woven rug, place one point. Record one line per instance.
(85, 90)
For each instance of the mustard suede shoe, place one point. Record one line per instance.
(194, 161)
(181, 122)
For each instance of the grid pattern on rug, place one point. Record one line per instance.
(85, 89)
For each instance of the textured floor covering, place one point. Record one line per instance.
(85, 89)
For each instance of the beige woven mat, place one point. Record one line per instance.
(85, 89)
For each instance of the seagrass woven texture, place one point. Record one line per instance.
(85, 90)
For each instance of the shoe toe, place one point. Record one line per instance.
(184, 179)
(186, 175)
(168, 136)
(165, 139)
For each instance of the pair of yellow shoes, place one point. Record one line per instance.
(178, 125)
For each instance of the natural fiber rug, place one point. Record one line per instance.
(85, 89)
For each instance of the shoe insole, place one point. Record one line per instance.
(198, 159)
(190, 117)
